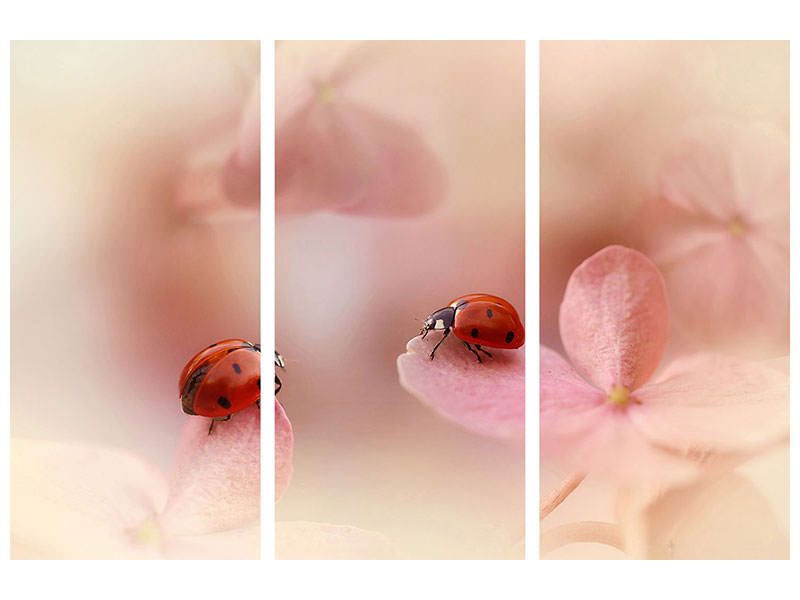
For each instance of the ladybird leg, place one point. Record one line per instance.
(478, 346)
(471, 349)
(228, 418)
(258, 403)
(446, 332)
(279, 384)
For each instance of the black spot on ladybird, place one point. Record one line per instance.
(489, 313)
(223, 402)
(231, 350)
(509, 337)
(237, 368)
(474, 333)
(258, 382)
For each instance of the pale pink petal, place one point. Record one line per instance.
(560, 386)
(697, 176)
(725, 518)
(80, 501)
(241, 176)
(745, 301)
(760, 173)
(303, 540)
(215, 481)
(335, 155)
(705, 403)
(583, 432)
(614, 319)
(487, 397)
(284, 448)
(222, 176)
(236, 544)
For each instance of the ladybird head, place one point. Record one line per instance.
(441, 319)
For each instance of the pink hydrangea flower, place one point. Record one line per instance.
(81, 501)
(609, 415)
(486, 398)
(334, 153)
(721, 236)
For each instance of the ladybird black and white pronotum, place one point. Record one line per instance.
(278, 363)
(221, 379)
(477, 320)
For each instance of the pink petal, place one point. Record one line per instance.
(614, 319)
(79, 501)
(215, 482)
(222, 176)
(580, 430)
(338, 156)
(730, 220)
(284, 448)
(725, 518)
(236, 544)
(705, 403)
(697, 176)
(487, 398)
(241, 175)
(745, 305)
(322, 541)
(760, 171)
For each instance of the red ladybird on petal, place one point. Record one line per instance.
(221, 379)
(478, 320)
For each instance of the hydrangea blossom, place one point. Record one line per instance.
(606, 413)
(721, 236)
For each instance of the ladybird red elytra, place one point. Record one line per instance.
(479, 320)
(221, 379)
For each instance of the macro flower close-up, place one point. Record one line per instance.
(608, 415)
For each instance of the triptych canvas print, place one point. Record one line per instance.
(436, 362)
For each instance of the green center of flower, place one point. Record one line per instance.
(736, 227)
(619, 395)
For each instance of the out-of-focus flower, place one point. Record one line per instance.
(76, 500)
(619, 423)
(284, 448)
(714, 518)
(332, 153)
(487, 398)
(721, 236)
(223, 176)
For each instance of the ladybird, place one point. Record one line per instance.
(278, 363)
(479, 320)
(221, 380)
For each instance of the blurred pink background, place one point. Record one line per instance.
(352, 290)
(115, 284)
